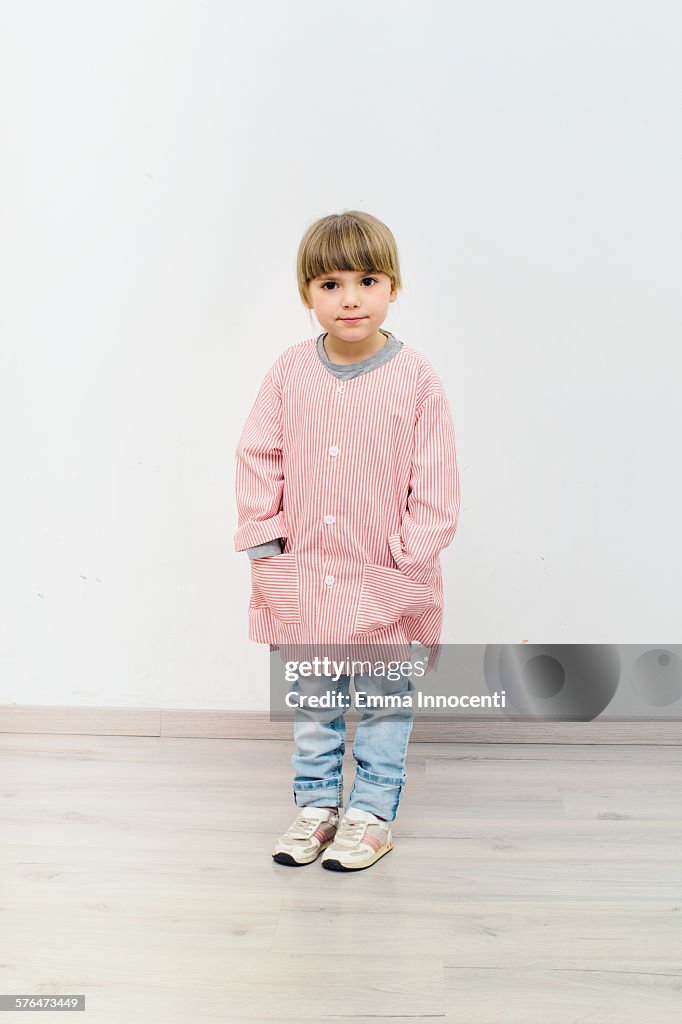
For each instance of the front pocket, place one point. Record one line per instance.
(275, 585)
(387, 595)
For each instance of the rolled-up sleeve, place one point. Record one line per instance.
(259, 477)
(430, 520)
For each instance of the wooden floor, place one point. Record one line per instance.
(528, 883)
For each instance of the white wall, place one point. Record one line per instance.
(159, 164)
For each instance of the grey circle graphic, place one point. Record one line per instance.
(545, 676)
(569, 682)
(657, 677)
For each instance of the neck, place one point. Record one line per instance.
(348, 352)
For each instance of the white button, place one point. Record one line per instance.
(341, 388)
(329, 580)
(329, 520)
(333, 450)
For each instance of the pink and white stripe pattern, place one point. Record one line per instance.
(360, 477)
(372, 841)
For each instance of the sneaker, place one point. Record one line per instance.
(361, 840)
(310, 834)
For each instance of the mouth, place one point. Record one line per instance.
(351, 319)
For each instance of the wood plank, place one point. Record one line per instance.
(527, 883)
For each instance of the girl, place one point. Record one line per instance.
(347, 491)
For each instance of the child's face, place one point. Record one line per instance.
(342, 294)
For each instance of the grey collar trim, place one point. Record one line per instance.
(348, 370)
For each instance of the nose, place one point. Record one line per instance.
(350, 300)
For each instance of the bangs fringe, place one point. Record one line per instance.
(352, 240)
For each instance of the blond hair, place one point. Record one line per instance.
(352, 240)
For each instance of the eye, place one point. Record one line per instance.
(333, 283)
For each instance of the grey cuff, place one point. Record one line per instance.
(271, 547)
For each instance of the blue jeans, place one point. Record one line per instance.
(379, 749)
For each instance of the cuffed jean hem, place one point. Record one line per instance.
(318, 794)
(376, 793)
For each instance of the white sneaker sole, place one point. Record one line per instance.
(284, 857)
(334, 864)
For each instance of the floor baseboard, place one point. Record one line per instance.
(241, 724)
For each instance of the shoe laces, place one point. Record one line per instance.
(303, 827)
(350, 832)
